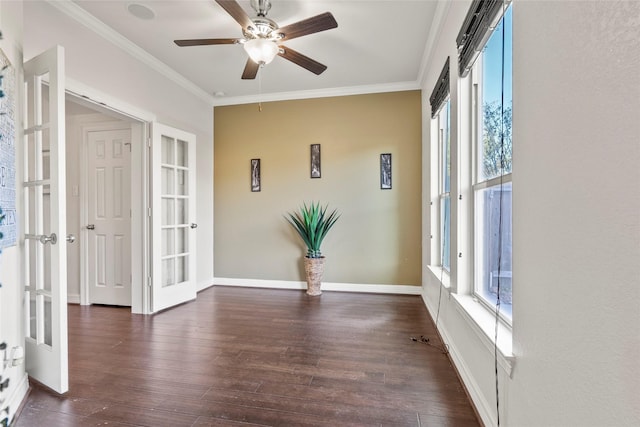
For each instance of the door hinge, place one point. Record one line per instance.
(149, 281)
(149, 212)
(149, 142)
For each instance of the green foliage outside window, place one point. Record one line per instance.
(495, 153)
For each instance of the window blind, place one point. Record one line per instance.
(478, 25)
(440, 91)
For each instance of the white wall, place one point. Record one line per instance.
(97, 63)
(576, 207)
(11, 321)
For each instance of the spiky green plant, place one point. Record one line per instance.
(312, 224)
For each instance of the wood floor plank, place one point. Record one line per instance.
(256, 357)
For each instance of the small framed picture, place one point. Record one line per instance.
(385, 171)
(255, 175)
(315, 161)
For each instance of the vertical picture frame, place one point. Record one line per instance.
(315, 161)
(256, 184)
(385, 171)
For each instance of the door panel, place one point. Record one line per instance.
(44, 221)
(173, 217)
(109, 229)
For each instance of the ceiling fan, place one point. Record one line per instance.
(263, 37)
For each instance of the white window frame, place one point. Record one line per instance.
(478, 184)
(444, 128)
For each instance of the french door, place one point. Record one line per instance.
(173, 217)
(44, 220)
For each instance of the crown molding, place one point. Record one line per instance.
(318, 93)
(442, 9)
(94, 24)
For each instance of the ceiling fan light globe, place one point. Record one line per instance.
(261, 51)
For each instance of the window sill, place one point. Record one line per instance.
(483, 323)
(441, 275)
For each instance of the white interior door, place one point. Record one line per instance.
(44, 220)
(109, 216)
(173, 216)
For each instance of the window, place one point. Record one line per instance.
(444, 192)
(492, 141)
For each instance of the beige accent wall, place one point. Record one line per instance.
(377, 238)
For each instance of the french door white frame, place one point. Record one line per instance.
(46, 354)
(142, 202)
(140, 195)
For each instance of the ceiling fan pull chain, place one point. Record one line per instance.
(260, 91)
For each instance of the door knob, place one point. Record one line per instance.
(194, 225)
(91, 227)
(71, 238)
(53, 239)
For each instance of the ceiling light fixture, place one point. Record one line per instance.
(261, 51)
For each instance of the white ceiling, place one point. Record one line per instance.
(377, 45)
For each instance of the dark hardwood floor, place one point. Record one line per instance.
(249, 357)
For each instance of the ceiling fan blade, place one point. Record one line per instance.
(233, 8)
(250, 70)
(302, 60)
(203, 42)
(315, 24)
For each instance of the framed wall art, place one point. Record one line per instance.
(315, 161)
(385, 171)
(255, 175)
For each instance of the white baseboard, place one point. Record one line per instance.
(73, 298)
(326, 286)
(17, 396)
(204, 285)
(482, 406)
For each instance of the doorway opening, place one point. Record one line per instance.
(106, 196)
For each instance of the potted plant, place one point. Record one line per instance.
(312, 224)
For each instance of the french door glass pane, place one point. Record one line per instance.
(181, 211)
(182, 184)
(45, 155)
(46, 253)
(182, 154)
(32, 314)
(168, 180)
(168, 242)
(48, 320)
(37, 155)
(181, 269)
(168, 211)
(31, 247)
(168, 150)
(43, 81)
(181, 240)
(168, 272)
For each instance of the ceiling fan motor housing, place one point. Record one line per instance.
(262, 28)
